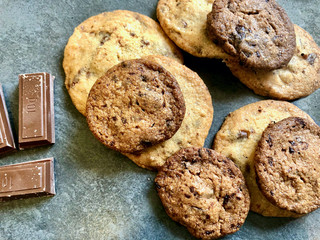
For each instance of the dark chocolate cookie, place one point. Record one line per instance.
(258, 32)
(135, 105)
(287, 164)
(203, 191)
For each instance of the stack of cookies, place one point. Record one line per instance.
(148, 110)
(126, 76)
(255, 38)
(276, 146)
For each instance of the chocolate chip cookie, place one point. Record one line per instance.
(135, 105)
(258, 32)
(203, 191)
(287, 164)
(238, 138)
(104, 40)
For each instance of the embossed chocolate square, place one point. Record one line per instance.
(27, 179)
(36, 110)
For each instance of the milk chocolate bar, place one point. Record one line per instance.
(36, 113)
(28, 179)
(6, 137)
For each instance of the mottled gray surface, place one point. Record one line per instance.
(100, 193)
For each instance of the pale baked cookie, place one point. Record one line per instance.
(238, 138)
(105, 40)
(196, 123)
(135, 105)
(298, 79)
(203, 191)
(287, 163)
(258, 33)
(184, 21)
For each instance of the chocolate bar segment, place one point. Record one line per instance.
(28, 179)
(6, 137)
(36, 113)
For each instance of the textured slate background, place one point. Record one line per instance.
(100, 193)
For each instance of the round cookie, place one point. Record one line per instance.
(184, 21)
(135, 105)
(105, 40)
(287, 163)
(203, 191)
(239, 136)
(259, 33)
(196, 123)
(299, 78)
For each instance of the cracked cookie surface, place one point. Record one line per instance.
(203, 191)
(299, 78)
(104, 40)
(258, 33)
(196, 123)
(135, 105)
(287, 164)
(184, 21)
(238, 138)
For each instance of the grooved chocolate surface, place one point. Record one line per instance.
(6, 137)
(28, 179)
(36, 113)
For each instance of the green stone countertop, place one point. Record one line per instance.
(100, 193)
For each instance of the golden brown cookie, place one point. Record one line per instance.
(184, 21)
(105, 40)
(135, 105)
(258, 33)
(196, 123)
(203, 191)
(287, 164)
(238, 138)
(299, 78)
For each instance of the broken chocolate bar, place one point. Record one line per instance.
(36, 114)
(6, 137)
(28, 179)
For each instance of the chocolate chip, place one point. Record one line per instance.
(269, 141)
(271, 192)
(293, 143)
(105, 36)
(124, 120)
(184, 24)
(311, 58)
(231, 173)
(301, 122)
(241, 32)
(258, 54)
(226, 199)
(145, 42)
(243, 134)
(291, 150)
